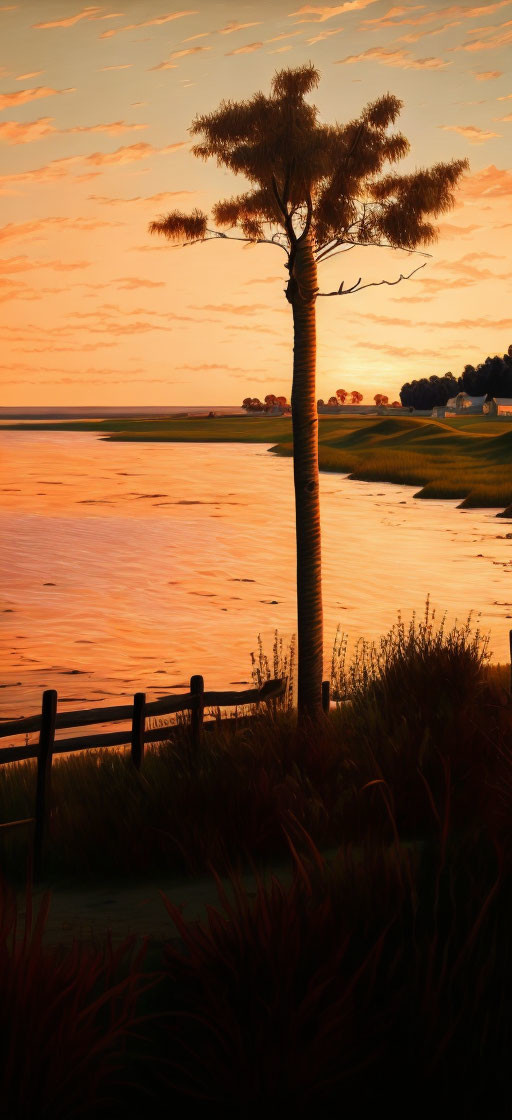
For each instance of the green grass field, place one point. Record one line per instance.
(468, 458)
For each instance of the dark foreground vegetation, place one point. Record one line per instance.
(376, 972)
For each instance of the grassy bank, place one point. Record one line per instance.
(422, 700)
(379, 975)
(469, 458)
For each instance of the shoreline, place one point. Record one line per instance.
(468, 460)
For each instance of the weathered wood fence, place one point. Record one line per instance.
(136, 736)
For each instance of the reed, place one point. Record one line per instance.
(424, 703)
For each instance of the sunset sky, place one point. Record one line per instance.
(95, 103)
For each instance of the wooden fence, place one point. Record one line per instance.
(49, 721)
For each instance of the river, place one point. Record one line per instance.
(130, 566)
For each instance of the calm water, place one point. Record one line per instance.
(129, 567)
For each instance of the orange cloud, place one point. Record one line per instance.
(448, 229)
(247, 49)
(157, 21)
(265, 280)
(320, 13)
(122, 66)
(287, 35)
(15, 132)
(470, 132)
(400, 58)
(324, 35)
(85, 346)
(390, 19)
(446, 324)
(167, 64)
(10, 265)
(490, 182)
(22, 96)
(39, 228)
(402, 351)
(488, 75)
(115, 128)
(130, 283)
(60, 168)
(33, 74)
(232, 308)
(498, 37)
(161, 197)
(234, 26)
(70, 21)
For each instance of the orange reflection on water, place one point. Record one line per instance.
(130, 566)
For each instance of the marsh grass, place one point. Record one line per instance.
(65, 1016)
(379, 977)
(426, 715)
(471, 462)
(469, 457)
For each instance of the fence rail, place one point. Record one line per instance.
(136, 736)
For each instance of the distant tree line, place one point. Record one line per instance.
(493, 377)
(253, 404)
(354, 397)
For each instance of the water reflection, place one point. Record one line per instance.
(132, 566)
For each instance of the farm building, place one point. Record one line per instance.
(499, 406)
(461, 404)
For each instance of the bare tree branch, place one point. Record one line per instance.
(374, 284)
(216, 233)
(325, 253)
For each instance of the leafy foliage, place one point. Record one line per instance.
(492, 377)
(310, 177)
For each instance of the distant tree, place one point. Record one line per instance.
(320, 403)
(310, 189)
(379, 399)
(341, 395)
(396, 404)
(333, 401)
(427, 392)
(253, 404)
(492, 377)
(355, 397)
(384, 399)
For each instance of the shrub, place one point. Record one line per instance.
(380, 980)
(65, 1016)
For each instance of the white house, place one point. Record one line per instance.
(499, 406)
(459, 405)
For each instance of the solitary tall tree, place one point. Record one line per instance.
(312, 190)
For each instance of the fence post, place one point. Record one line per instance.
(510, 644)
(138, 727)
(197, 710)
(326, 696)
(44, 773)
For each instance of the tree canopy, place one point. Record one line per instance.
(305, 176)
(492, 377)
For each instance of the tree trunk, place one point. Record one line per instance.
(301, 294)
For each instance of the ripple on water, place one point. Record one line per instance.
(138, 587)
